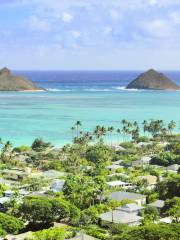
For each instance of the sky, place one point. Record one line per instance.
(90, 34)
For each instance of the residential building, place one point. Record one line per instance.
(120, 195)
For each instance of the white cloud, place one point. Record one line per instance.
(114, 14)
(67, 17)
(175, 17)
(37, 24)
(76, 34)
(108, 30)
(158, 28)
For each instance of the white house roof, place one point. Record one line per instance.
(146, 159)
(120, 195)
(117, 147)
(117, 183)
(157, 203)
(173, 167)
(166, 220)
(117, 216)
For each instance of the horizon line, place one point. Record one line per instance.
(97, 70)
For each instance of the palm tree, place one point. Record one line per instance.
(100, 132)
(6, 152)
(73, 130)
(97, 131)
(78, 124)
(171, 126)
(110, 130)
(119, 133)
(145, 126)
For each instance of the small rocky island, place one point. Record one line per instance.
(10, 82)
(153, 80)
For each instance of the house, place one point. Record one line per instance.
(141, 144)
(120, 196)
(53, 174)
(127, 214)
(118, 183)
(57, 185)
(151, 180)
(159, 204)
(131, 208)
(121, 217)
(167, 220)
(142, 161)
(118, 148)
(173, 168)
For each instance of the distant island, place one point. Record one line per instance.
(153, 80)
(10, 82)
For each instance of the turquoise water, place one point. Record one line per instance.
(25, 116)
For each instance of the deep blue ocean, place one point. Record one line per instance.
(93, 97)
(86, 80)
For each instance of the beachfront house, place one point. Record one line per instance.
(135, 197)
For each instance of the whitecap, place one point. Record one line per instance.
(97, 90)
(58, 90)
(123, 88)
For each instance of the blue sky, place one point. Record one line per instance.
(90, 34)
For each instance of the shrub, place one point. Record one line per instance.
(49, 234)
(2, 232)
(152, 232)
(10, 224)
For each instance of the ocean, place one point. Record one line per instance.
(92, 97)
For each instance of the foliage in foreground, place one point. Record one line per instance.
(10, 224)
(49, 234)
(152, 232)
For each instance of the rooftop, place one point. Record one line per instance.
(117, 183)
(120, 195)
(173, 167)
(131, 207)
(157, 203)
(117, 216)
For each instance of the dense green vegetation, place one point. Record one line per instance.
(10, 224)
(86, 166)
(151, 232)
